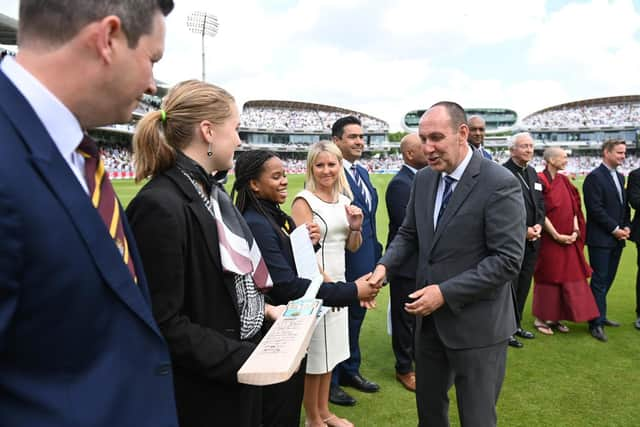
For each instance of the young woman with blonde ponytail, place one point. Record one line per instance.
(206, 274)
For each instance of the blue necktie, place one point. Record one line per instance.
(446, 195)
(360, 184)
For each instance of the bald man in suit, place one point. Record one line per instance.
(465, 219)
(403, 282)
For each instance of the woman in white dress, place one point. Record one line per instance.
(324, 202)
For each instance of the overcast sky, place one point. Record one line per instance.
(385, 58)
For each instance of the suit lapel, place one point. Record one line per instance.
(460, 194)
(529, 191)
(432, 179)
(358, 198)
(608, 178)
(206, 224)
(203, 216)
(64, 186)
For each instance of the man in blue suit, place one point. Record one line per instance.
(403, 282)
(608, 221)
(348, 135)
(78, 343)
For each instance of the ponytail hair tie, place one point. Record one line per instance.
(163, 116)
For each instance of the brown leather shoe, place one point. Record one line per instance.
(408, 380)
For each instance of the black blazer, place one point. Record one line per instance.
(604, 210)
(397, 198)
(287, 286)
(194, 303)
(633, 197)
(532, 194)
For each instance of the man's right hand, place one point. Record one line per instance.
(366, 290)
(378, 276)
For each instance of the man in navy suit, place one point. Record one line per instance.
(348, 135)
(403, 282)
(477, 130)
(608, 222)
(78, 342)
(633, 196)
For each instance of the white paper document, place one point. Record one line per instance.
(303, 253)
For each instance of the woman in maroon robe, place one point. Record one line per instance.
(561, 291)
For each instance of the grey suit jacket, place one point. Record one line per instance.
(473, 254)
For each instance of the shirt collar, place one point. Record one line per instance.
(610, 169)
(457, 173)
(347, 164)
(60, 123)
(411, 168)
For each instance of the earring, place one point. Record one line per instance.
(210, 150)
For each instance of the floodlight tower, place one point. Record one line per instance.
(205, 24)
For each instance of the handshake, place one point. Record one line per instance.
(369, 285)
(424, 301)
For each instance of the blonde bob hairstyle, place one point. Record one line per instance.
(160, 133)
(341, 185)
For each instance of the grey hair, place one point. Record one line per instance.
(514, 139)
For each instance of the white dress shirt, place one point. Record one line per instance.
(63, 127)
(457, 175)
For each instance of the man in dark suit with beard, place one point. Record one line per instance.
(521, 154)
(403, 282)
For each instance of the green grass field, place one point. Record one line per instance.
(556, 381)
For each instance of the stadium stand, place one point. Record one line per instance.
(620, 111)
(300, 116)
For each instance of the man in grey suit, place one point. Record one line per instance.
(465, 219)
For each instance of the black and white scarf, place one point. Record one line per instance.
(239, 251)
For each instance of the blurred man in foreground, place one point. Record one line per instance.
(78, 343)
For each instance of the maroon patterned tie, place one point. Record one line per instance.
(104, 198)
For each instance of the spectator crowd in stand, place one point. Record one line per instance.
(118, 158)
(281, 118)
(610, 115)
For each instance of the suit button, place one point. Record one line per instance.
(164, 369)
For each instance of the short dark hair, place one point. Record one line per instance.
(58, 21)
(609, 145)
(337, 130)
(456, 113)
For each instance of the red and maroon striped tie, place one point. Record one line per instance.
(104, 198)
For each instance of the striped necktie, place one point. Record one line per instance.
(104, 199)
(360, 184)
(446, 194)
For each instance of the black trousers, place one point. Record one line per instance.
(402, 323)
(522, 284)
(638, 280)
(281, 403)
